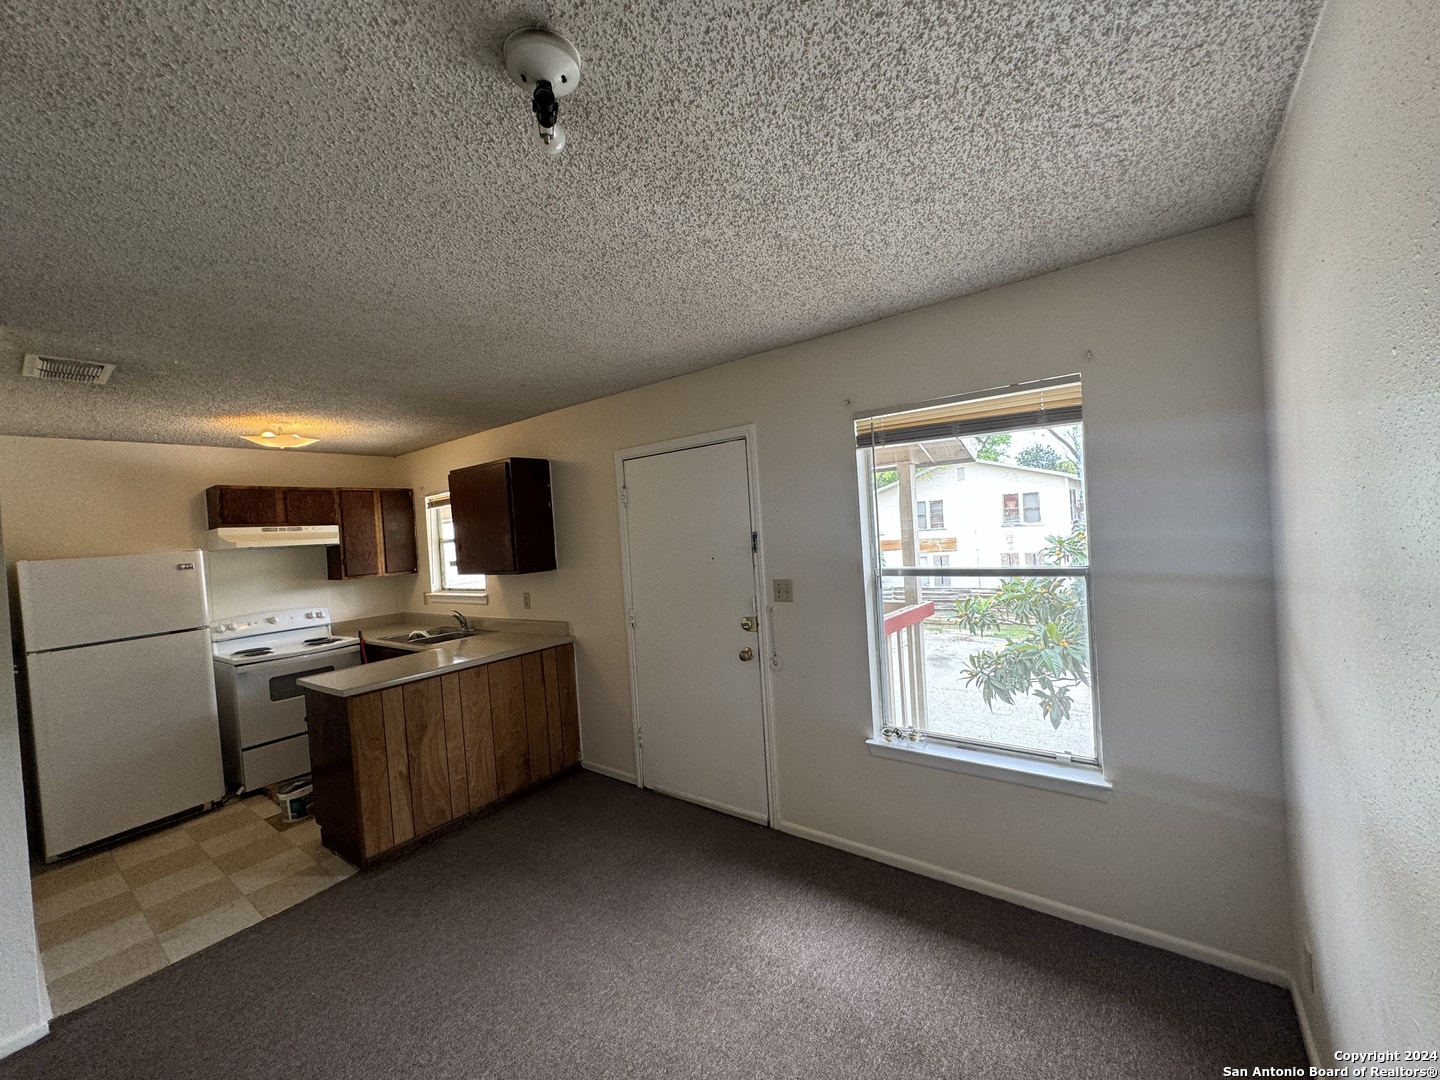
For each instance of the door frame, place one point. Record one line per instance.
(764, 645)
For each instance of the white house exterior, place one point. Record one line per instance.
(980, 513)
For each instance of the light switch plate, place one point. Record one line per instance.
(526, 597)
(784, 590)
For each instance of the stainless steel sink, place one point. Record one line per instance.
(434, 635)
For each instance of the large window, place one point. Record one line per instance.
(988, 646)
(446, 581)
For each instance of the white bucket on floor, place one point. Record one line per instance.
(295, 797)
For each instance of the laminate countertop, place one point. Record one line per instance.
(485, 647)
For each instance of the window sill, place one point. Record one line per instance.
(456, 597)
(1082, 780)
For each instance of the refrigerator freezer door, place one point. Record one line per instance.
(125, 734)
(68, 602)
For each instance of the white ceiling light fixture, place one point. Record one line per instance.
(279, 440)
(545, 64)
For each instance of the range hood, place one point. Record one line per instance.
(268, 536)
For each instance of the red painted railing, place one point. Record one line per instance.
(908, 616)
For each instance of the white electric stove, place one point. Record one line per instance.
(258, 658)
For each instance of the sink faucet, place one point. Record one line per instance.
(461, 619)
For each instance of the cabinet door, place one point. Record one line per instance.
(537, 721)
(397, 526)
(244, 506)
(310, 506)
(429, 762)
(480, 509)
(569, 706)
(532, 517)
(359, 533)
(508, 726)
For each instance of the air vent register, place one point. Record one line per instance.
(63, 369)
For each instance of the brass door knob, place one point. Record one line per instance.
(747, 653)
(750, 624)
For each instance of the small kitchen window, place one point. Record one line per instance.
(446, 581)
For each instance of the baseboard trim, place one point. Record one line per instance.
(1307, 1033)
(1194, 950)
(22, 1039)
(605, 770)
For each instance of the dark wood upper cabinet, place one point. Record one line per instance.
(244, 506)
(504, 521)
(397, 529)
(377, 528)
(310, 506)
(377, 534)
(360, 540)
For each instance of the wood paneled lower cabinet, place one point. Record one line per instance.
(395, 764)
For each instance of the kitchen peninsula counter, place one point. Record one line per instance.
(429, 661)
(403, 747)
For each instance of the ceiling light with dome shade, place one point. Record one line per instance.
(543, 63)
(279, 440)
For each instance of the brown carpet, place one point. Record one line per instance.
(592, 930)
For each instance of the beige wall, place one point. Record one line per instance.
(70, 498)
(1350, 268)
(1191, 848)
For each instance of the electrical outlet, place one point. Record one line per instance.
(784, 590)
(526, 598)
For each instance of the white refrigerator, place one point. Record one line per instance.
(122, 693)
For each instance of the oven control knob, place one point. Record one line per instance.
(272, 619)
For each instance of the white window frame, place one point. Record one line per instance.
(1006, 522)
(1025, 509)
(470, 588)
(1031, 768)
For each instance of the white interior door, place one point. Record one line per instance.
(698, 690)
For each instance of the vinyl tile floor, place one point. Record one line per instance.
(108, 919)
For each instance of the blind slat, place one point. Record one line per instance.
(1028, 408)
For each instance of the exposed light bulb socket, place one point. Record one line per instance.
(547, 109)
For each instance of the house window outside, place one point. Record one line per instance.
(446, 581)
(921, 521)
(937, 514)
(934, 560)
(988, 645)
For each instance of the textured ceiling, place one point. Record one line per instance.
(333, 212)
